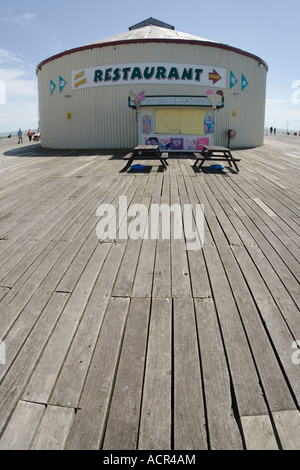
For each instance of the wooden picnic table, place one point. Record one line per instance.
(215, 153)
(146, 152)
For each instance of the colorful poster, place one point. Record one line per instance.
(178, 143)
(209, 124)
(147, 124)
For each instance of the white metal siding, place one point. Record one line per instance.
(101, 117)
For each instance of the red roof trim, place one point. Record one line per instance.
(134, 41)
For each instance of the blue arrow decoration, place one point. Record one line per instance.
(244, 82)
(233, 80)
(62, 84)
(52, 87)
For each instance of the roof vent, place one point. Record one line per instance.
(151, 21)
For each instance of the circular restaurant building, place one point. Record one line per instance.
(152, 84)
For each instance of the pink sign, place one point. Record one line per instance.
(201, 142)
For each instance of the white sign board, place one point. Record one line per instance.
(159, 73)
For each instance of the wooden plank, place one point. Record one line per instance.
(54, 429)
(15, 201)
(246, 385)
(259, 433)
(47, 203)
(44, 377)
(278, 290)
(88, 430)
(227, 207)
(189, 413)
(180, 276)
(264, 207)
(272, 226)
(3, 292)
(278, 331)
(155, 423)
(64, 219)
(288, 428)
(70, 382)
(12, 261)
(283, 262)
(17, 336)
(222, 427)
(162, 264)
(13, 384)
(23, 289)
(270, 373)
(22, 426)
(198, 197)
(162, 270)
(198, 274)
(122, 427)
(30, 259)
(285, 203)
(36, 212)
(142, 286)
(244, 284)
(228, 198)
(126, 276)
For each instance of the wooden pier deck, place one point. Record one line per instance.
(141, 344)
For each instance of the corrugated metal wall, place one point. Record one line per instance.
(101, 118)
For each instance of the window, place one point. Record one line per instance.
(180, 121)
(167, 121)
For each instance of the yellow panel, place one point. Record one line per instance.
(192, 121)
(167, 121)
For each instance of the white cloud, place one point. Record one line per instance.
(281, 112)
(271, 101)
(19, 106)
(22, 114)
(54, 43)
(20, 19)
(8, 57)
(18, 82)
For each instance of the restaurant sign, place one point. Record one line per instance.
(164, 73)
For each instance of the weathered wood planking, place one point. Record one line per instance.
(89, 425)
(122, 429)
(156, 411)
(143, 343)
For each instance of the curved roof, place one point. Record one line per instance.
(152, 33)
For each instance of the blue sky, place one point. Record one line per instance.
(32, 31)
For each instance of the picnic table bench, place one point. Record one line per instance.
(146, 152)
(214, 153)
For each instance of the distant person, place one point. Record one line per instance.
(20, 136)
(274, 130)
(29, 135)
(271, 130)
(37, 135)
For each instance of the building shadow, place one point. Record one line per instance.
(36, 150)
